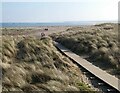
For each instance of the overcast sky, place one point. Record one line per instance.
(58, 11)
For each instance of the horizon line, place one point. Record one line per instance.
(67, 21)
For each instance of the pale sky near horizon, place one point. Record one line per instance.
(76, 10)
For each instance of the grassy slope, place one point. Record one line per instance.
(31, 64)
(99, 42)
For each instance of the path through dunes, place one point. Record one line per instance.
(104, 76)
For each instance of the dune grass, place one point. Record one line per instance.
(32, 64)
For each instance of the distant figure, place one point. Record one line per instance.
(46, 29)
(42, 34)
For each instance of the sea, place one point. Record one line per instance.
(5, 25)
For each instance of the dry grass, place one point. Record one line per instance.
(31, 64)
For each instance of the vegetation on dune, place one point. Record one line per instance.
(16, 31)
(31, 64)
(99, 42)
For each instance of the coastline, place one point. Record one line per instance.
(53, 24)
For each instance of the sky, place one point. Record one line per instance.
(58, 11)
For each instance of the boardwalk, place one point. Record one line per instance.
(104, 76)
